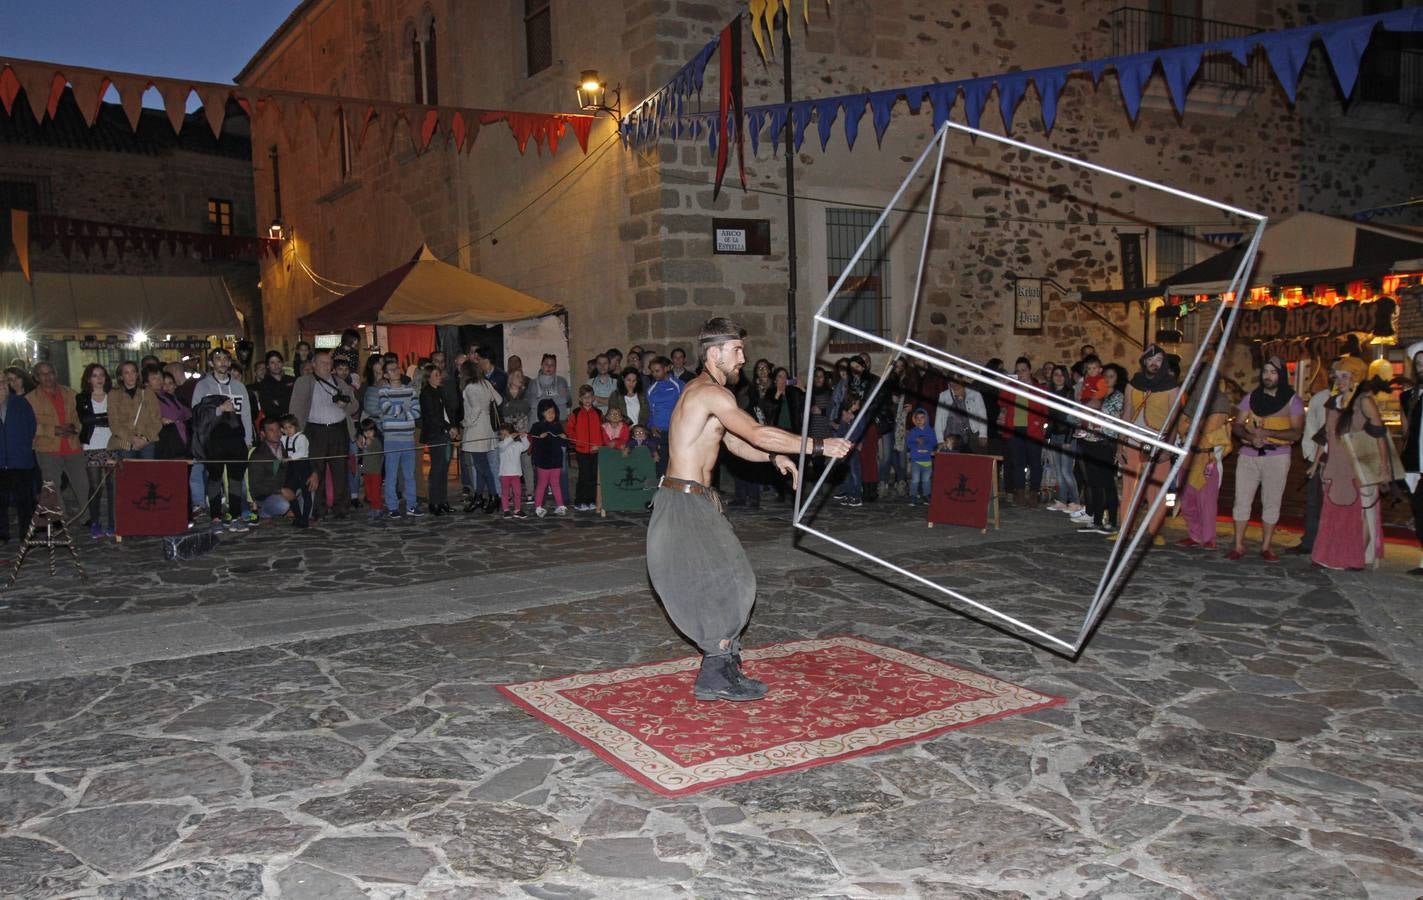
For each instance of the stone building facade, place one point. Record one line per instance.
(623, 239)
(149, 177)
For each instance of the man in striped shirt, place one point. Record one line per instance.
(399, 411)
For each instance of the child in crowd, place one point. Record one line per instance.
(615, 429)
(512, 446)
(641, 437)
(585, 430)
(296, 450)
(850, 488)
(546, 445)
(372, 459)
(919, 441)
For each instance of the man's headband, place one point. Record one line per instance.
(712, 340)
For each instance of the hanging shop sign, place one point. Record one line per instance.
(1313, 330)
(1315, 320)
(1028, 305)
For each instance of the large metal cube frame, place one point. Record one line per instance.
(1165, 443)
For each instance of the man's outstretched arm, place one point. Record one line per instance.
(744, 450)
(764, 440)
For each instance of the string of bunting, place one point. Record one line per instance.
(669, 102)
(43, 83)
(1286, 51)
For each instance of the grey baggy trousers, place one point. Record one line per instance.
(699, 570)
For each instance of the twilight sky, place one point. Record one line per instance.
(209, 40)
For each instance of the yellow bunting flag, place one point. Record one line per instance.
(763, 12)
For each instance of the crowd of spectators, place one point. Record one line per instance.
(329, 434)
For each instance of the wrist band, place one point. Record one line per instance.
(817, 446)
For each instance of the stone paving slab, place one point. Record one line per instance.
(1232, 731)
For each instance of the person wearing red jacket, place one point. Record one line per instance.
(1025, 429)
(585, 432)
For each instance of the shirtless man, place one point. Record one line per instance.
(695, 562)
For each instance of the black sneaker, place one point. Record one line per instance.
(415, 513)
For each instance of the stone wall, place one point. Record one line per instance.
(622, 238)
(1006, 211)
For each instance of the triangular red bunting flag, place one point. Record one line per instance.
(457, 130)
(9, 88)
(521, 124)
(555, 131)
(175, 101)
(215, 107)
(243, 102)
(20, 236)
(428, 123)
(131, 97)
(89, 88)
(41, 83)
(582, 125)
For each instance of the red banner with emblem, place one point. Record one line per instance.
(150, 497)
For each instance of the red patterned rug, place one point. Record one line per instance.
(830, 699)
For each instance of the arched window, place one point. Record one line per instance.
(424, 64)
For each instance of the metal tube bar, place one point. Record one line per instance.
(943, 141)
(1110, 578)
(987, 610)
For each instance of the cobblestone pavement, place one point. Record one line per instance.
(1233, 729)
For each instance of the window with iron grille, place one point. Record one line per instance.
(1175, 250)
(538, 35)
(220, 215)
(863, 300)
(19, 195)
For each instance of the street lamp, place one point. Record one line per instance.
(276, 231)
(593, 95)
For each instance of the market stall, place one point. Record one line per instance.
(408, 308)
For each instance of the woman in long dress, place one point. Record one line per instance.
(1351, 518)
(1200, 498)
